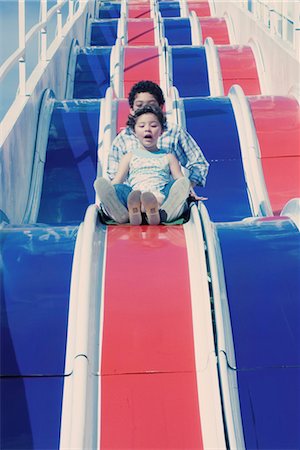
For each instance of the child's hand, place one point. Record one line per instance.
(195, 196)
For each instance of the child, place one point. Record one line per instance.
(150, 175)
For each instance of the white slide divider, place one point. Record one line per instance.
(256, 187)
(214, 69)
(209, 397)
(225, 346)
(79, 424)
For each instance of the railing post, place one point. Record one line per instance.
(59, 20)
(22, 41)
(71, 9)
(43, 6)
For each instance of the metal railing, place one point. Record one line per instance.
(280, 17)
(39, 31)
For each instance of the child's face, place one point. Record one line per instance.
(147, 130)
(142, 99)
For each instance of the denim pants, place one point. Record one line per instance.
(123, 190)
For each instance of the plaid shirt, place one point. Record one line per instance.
(174, 140)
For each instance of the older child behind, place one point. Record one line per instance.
(154, 177)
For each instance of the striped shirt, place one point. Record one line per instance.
(174, 140)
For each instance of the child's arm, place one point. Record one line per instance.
(123, 169)
(175, 167)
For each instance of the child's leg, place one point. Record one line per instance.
(175, 202)
(110, 200)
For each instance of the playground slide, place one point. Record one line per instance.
(134, 387)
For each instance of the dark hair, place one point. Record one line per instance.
(147, 109)
(146, 86)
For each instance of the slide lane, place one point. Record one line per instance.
(212, 124)
(69, 161)
(277, 123)
(36, 264)
(158, 380)
(261, 267)
(149, 390)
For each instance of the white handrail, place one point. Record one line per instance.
(18, 57)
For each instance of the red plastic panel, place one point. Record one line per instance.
(150, 411)
(140, 32)
(215, 28)
(282, 177)
(147, 314)
(238, 67)
(140, 64)
(122, 114)
(139, 10)
(149, 391)
(277, 124)
(201, 7)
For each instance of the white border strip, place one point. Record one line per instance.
(256, 187)
(196, 31)
(163, 75)
(292, 210)
(86, 275)
(225, 346)
(214, 68)
(206, 363)
(260, 67)
(101, 326)
(230, 28)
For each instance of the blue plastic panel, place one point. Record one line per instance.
(109, 10)
(190, 75)
(212, 124)
(31, 413)
(178, 31)
(169, 9)
(262, 266)
(92, 73)
(70, 168)
(104, 32)
(270, 406)
(261, 261)
(35, 277)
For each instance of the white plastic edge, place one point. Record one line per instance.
(163, 75)
(292, 210)
(181, 113)
(75, 389)
(105, 134)
(171, 105)
(260, 67)
(230, 28)
(256, 187)
(37, 174)
(212, 7)
(124, 8)
(214, 69)
(295, 91)
(196, 31)
(156, 25)
(122, 30)
(117, 68)
(184, 9)
(225, 345)
(101, 127)
(206, 363)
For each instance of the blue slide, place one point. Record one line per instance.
(35, 284)
(212, 124)
(71, 162)
(262, 264)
